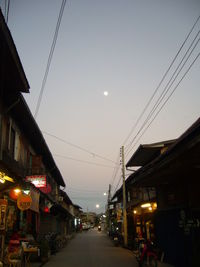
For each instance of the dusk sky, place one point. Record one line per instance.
(123, 47)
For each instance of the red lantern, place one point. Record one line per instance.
(46, 210)
(14, 193)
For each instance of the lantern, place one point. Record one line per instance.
(14, 193)
(46, 210)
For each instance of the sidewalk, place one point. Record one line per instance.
(36, 264)
(162, 264)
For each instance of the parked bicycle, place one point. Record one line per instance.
(146, 255)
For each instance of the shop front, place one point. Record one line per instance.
(18, 218)
(143, 216)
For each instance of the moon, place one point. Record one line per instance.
(105, 93)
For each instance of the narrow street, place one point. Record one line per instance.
(92, 248)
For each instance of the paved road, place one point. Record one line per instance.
(92, 249)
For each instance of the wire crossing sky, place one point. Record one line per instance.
(50, 57)
(124, 48)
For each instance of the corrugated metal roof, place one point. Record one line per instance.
(182, 157)
(147, 152)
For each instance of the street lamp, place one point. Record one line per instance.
(97, 206)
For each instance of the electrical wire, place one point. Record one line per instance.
(7, 12)
(163, 93)
(115, 171)
(167, 87)
(86, 197)
(5, 8)
(163, 78)
(168, 98)
(50, 57)
(84, 190)
(84, 161)
(80, 148)
(116, 188)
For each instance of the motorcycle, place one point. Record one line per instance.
(99, 228)
(116, 237)
(146, 254)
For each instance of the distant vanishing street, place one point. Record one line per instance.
(92, 249)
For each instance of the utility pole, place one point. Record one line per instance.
(108, 209)
(124, 199)
(109, 190)
(87, 215)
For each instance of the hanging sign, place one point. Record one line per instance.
(3, 209)
(47, 189)
(119, 215)
(35, 196)
(39, 181)
(24, 202)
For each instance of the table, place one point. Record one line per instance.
(27, 253)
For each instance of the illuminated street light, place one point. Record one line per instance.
(146, 205)
(97, 206)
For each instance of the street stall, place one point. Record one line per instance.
(18, 222)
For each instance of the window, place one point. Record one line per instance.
(12, 142)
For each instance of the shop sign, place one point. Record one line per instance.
(24, 202)
(35, 196)
(47, 189)
(3, 209)
(39, 181)
(119, 215)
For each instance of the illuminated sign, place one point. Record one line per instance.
(47, 189)
(39, 181)
(24, 202)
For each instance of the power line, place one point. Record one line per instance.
(158, 101)
(87, 197)
(164, 91)
(5, 8)
(8, 9)
(168, 98)
(164, 76)
(120, 180)
(80, 148)
(50, 57)
(167, 87)
(84, 161)
(115, 170)
(84, 190)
